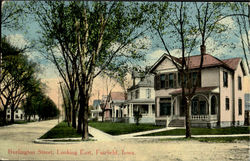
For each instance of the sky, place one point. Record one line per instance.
(50, 76)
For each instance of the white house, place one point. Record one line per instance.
(141, 97)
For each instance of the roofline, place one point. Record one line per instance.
(160, 60)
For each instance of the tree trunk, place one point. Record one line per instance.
(73, 117)
(4, 116)
(85, 134)
(103, 116)
(84, 115)
(188, 123)
(79, 125)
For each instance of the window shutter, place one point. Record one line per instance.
(175, 80)
(167, 81)
(157, 82)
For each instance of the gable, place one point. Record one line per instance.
(165, 64)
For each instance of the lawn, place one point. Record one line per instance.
(204, 131)
(61, 131)
(122, 128)
(213, 139)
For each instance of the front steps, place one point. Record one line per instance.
(177, 123)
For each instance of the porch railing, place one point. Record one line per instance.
(203, 117)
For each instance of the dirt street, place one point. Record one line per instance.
(16, 143)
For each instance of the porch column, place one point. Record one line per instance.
(150, 109)
(209, 106)
(172, 107)
(132, 109)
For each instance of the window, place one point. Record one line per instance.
(17, 117)
(171, 80)
(225, 79)
(8, 116)
(137, 94)
(153, 108)
(148, 92)
(227, 103)
(239, 83)
(240, 106)
(163, 78)
(8, 111)
(16, 111)
(165, 106)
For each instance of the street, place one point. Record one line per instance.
(16, 143)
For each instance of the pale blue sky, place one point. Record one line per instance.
(153, 53)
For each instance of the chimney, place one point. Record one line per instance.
(203, 49)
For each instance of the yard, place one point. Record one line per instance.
(204, 131)
(122, 128)
(61, 131)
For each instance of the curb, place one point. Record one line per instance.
(61, 141)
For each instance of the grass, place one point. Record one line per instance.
(204, 131)
(23, 122)
(122, 128)
(61, 131)
(213, 139)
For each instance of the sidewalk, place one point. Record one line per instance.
(102, 136)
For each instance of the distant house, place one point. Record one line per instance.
(141, 97)
(96, 112)
(219, 98)
(117, 106)
(18, 114)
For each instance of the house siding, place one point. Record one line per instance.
(209, 77)
(226, 116)
(239, 94)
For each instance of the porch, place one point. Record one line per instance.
(203, 109)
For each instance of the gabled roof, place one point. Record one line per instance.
(208, 61)
(117, 96)
(232, 63)
(147, 81)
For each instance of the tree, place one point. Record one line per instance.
(243, 24)
(137, 116)
(110, 83)
(17, 77)
(91, 37)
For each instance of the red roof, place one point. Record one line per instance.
(118, 96)
(208, 61)
(232, 63)
(199, 89)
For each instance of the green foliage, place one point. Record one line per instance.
(46, 108)
(122, 128)
(13, 15)
(137, 117)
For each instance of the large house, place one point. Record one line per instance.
(219, 98)
(141, 97)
